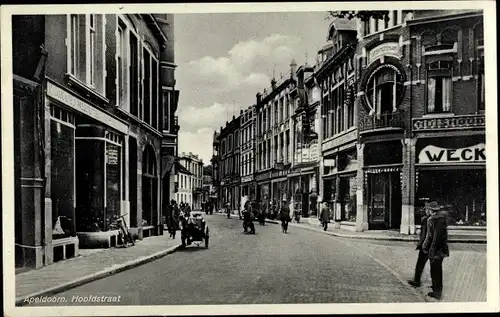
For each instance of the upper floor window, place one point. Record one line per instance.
(85, 39)
(92, 49)
(366, 27)
(385, 88)
(121, 69)
(439, 87)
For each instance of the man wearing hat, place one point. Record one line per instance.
(422, 257)
(435, 246)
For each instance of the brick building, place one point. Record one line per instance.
(303, 177)
(247, 151)
(420, 108)
(228, 147)
(336, 75)
(87, 104)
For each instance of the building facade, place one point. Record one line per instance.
(191, 180)
(274, 145)
(88, 105)
(303, 177)
(229, 170)
(336, 77)
(421, 118)
(216, 170)
(247, 151)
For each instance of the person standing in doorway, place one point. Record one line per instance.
(422, 257)
(436, 246)
(324, 216)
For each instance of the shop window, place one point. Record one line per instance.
(439, 87)
(385, 88)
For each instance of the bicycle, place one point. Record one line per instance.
(120, 224)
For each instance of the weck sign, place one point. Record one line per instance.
(436, 155)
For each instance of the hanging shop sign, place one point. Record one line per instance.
(436, 155)
(329, 162)
(247, 178)
(390, 48)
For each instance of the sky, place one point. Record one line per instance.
(223, 60)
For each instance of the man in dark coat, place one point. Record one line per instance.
(324, 216)
(436, 247)
(422, 257)
(284, 216)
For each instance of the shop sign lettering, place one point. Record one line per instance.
(247, 178)
(83, 107)
(391, 48)
(112, 153)
(433, 155)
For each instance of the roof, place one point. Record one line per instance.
(181, 169)
(341, 24)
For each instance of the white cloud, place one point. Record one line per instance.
(193, 118)
(246, 63)
(198, 142)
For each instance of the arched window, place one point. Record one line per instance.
(385, 88)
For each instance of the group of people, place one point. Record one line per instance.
(432, 247)
(174, 214)
(208, 207)
(260, 212)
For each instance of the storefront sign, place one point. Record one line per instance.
(435, 155)
(247, 178)
(329, 162)
(391, 48)
(81, 106)
(449, 123)
(112, 154)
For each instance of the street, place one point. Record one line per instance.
(270, 267)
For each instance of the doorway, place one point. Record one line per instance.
(132, 165)
(149, 187)
(384, 201)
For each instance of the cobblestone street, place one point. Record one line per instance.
(271, 267)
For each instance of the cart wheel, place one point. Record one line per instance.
(206, 243)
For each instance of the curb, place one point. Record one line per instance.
(96, 276)
(341, 235)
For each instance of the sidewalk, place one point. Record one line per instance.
(388, 235)
(91, 265)
(464, 271)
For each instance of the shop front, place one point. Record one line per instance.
(452, 172)
(340, 186)
(382, 184)
(247, 187)
(303, 189)
(86, 171)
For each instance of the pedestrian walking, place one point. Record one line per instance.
(436, 246)
(284, 216)
(169, 218)
(324, 216)
(422, 256)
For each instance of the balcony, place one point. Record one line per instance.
(382, 122)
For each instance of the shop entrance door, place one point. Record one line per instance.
(384, 201)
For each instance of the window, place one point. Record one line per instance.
(350, 107)
(92, 50)
(134, 75)
(439, 85)
(121, 69)
(375, 22)
(74, 44)
(154, 93)
(395, 17)
(366, 26)
(166, 110)
(385, 87)
(146, 97)
(276, 113)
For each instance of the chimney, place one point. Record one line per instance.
(293, 68)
